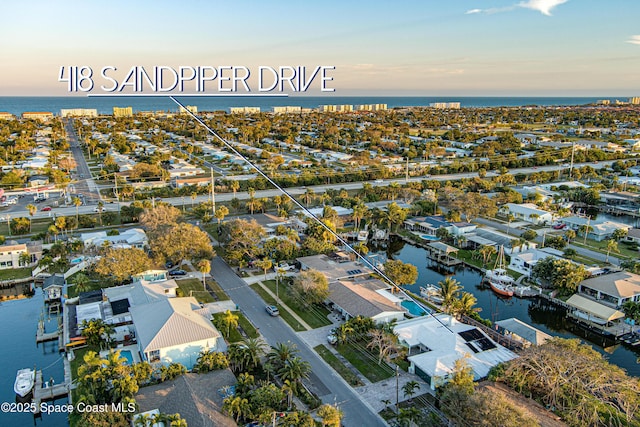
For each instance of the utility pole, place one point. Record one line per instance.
(397, 389)
(115, 182)
(213, 194)
(406, 174)
(573, 149)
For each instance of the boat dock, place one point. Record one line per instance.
(49, 392)
(42, 336)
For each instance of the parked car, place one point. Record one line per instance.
(332, 339)
(558, 226)
(99, 209)
(272, 310)
(178, 273)
(285, 266)
(46, 209)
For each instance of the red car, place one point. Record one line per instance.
(46, 208)
(559, 226)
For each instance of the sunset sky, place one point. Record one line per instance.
(432, 47)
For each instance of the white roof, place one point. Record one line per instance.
(526, 209)
(446, 346)
(89, 312)
(171, 322)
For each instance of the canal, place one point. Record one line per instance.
(19, 322)
(536, 312)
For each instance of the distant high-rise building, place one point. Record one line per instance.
(287, 109)
(122, 111)
(6, 116)
(603, 102)
(445, 105)
(43, 116)
(635, 100)
(371, 107)
(244, 110)
(79, 112)
(336, 108)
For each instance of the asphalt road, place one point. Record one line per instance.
(326, 383)
(84, 183)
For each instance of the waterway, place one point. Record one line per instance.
(18, 324)
(536, 312)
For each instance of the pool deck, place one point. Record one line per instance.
(132, 348)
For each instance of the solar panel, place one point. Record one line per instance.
(472, 347)
(485, 344)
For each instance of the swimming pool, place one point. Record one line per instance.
(429, 237)
(414, 308)
(127, 355)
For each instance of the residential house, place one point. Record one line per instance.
(528, 212)
(336, 266)
(131, 238)
(365, 297)
(523, 262)
(435, 343)
(175, 330)
(13, 256)
(633, 235)
(599, 229)
(612, 289)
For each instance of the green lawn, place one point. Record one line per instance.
(338, 366)
(315, 316)
(625, 251)
(193, 287)
(243, 322)
(283, 313)
(365, 362)
(16, 273)
(216, 289)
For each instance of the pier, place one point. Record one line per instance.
(50, 392)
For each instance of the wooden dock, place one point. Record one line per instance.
(43, 394)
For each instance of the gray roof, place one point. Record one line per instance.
(194, 396)
(360, 299)
(171, 322)
(523, 330)
(53, 280)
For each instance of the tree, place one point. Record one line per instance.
(561, 274)
(360, 211)
(465, 305)
(612, 245)
(330, 415)
(221, 212)
(229, 320)
(122, 263)
(487, 251)
(235, 186)
(281, 353)
(204, 267)
(569, 235)
(211, 361)
(295, 370)
(81, 283)
(585, 229)
(410, 388)
(236, 406)
(570, 253)
(310, 287)
(385, 342)
(32, 211)
(96, 332)
(401, 273)
(264, 264)
(449, 290)
(159, 219)
(77, 203)
(242, 239)
(619, 233)
(182, 241)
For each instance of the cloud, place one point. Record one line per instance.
(634, 40)
(542, 6)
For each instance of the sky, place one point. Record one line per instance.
(404, 48)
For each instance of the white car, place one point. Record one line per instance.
(99, 209)
(286, 267)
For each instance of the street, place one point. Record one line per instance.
(324, 381)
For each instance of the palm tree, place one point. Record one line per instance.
(53, 230)
(308, 196)
(585, 230)
(204, 267)
(465, 305)
(236, 406)
(220, 213)
(81, 283)
(410, 388)
(510, 218)
(281, 353)
(254, 349)
(569, 235)
(487, 251)
(235, 186)
(289, 387)
(77, 203)
(32, 211)
(100, 206)
(612, 245)
(265, 264)
(360, 211)
(295, 370)
(449, 289)
(230, 320)
(194, 196)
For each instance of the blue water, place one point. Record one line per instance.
(414, 308)
(19, 320)
(17, 104)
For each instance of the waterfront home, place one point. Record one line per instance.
(428, 225)
(365, 297)
(528, 212)
(612, 289)
(175, 330)
(586, 309)
(52, 287)
(633, 235)
(599, 229)
(131, 238)
(435, 343)
(523, 262)
(522, 332)
(14, 256)
(335, 266)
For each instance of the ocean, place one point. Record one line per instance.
(17, 105)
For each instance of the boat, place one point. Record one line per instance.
(501, 289)
(25, 379)
(499, 274)
(431, 293)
